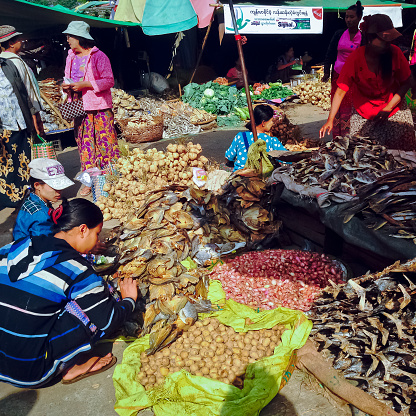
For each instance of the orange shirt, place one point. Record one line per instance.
(369, 91)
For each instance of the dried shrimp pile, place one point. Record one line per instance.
(367, 329)
(314, 92)
(272, 278)
(145, 171)
(210, 349)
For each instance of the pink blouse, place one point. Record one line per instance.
(345, 48)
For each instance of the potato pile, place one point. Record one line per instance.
(210, 349)
(315, 92)
(144, 171)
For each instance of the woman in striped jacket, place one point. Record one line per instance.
(53, 307)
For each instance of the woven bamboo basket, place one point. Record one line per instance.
(148, 133)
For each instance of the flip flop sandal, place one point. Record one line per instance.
(91, 373)
(85, 191)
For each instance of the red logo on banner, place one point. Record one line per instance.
(317, 13)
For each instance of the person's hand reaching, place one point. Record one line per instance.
(128, 288)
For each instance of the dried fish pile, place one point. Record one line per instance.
(245, 201)
(179, 118)
(172, 225)
(367, 329)
(52, 91)
(390, 202)
(152, 244)
(343, 165)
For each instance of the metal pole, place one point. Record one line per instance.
(237, 37)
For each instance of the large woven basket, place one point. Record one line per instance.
(149, 133)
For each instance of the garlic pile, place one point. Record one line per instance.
(145, 171)
(315, 92)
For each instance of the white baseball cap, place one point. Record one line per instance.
(51, 172)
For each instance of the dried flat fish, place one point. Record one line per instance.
(380, 354)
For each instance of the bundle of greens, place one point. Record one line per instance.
(214, 98)
(270, 91)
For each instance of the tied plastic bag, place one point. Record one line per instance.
(257, 153)
(199, 177)
(186, 394)
(86, 177)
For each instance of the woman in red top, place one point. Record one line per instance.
(379, 76)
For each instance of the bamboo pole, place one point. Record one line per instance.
(237, 37)
(54, 109)
(202, 48)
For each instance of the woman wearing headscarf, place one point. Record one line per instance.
(89, 72)
(379, 76)
(19, 119)
(343, 44)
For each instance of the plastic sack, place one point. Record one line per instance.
(186, 394)
(257, 157)
(199, 176)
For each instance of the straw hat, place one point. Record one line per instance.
(7, 32)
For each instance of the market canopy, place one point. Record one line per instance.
(158, 17)
(327, 5)
(29, 17)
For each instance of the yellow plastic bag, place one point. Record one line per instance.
(185, 394)
(257, 153)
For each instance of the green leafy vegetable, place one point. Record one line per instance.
(213, 97)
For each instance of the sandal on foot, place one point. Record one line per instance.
(91, 373)
(85, 191)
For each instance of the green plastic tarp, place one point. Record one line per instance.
(184, 394)
(30, 17)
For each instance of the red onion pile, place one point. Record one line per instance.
(272, 278)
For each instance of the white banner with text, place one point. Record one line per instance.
(274, 20)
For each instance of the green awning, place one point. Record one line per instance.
(30, 17)
(327, 5)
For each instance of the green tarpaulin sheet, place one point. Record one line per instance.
(29, 17)
(185, 394)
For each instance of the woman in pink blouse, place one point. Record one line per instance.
(89, 72)
(343, 43)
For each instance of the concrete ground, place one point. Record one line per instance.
(94, 396)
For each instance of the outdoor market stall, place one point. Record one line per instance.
(358, 189)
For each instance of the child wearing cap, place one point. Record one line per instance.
(47, 180)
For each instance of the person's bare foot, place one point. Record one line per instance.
(88, 366)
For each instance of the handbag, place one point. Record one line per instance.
(73, 109)
(44, 149)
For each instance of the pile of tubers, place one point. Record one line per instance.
(210, 349)
(284, 130)
(144, 171)
(314, 92)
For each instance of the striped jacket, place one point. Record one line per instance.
(38, 277)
